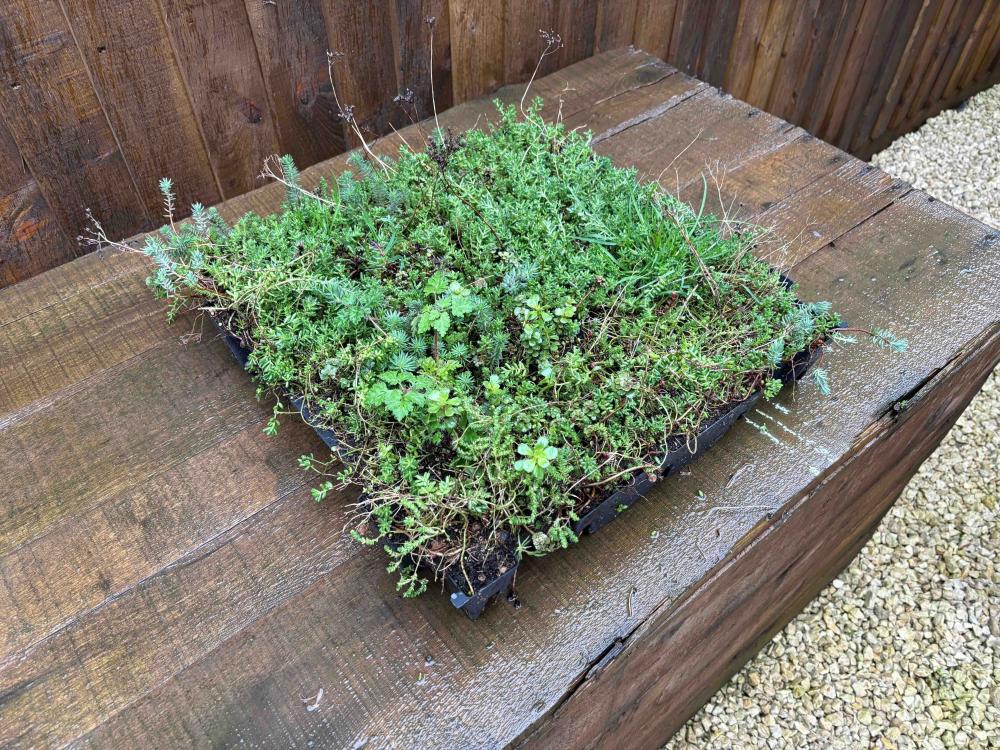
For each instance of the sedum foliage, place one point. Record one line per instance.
(503, 326)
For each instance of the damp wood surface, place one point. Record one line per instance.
(168, 581)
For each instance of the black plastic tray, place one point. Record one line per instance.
(594, 518)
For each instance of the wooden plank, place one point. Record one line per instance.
(576, 22)
(413, 47)
(654, 26)
(361, 39)
(817, 215)
(768, 51)
(677, 156)
(749, 30)
(112, 446)
(836, 59)
(291, 41)
(970, 44)
(961, 30)
(884, 55)
(15, 173)
(615, 24)
(928, 12)
(646, 693)
(477, 47)
(690, 27)
(128, 51)
(654, 23)
(128, 539)
(718, 41)
(976, 66)
(103, 325)
(39, 292)
(524, 20)
(823, 30)
(56, 120)
(993, 55)
(218, 58)
(843, 100)
(31, 240)
(285, 605)
(793, 62)
(921, 76)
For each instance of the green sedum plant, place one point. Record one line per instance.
(504, 328)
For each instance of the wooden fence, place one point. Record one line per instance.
(101, 98)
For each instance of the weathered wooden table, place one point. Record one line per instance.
(167, 580)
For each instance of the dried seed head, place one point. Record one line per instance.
(551, 38)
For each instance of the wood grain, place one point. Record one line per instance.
(203, 89)
(615, 21)
(56, 120)
(218, 58)
(576, 22)
(128, 50)
(31, 240)
(360, 35)
(477, 46)
(291, 42)
(750, 27)
(767, 54)
(413, 40)
(523, 21)
(168, 581)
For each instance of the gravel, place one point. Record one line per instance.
(903, 649)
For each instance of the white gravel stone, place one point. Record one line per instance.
(903, 649)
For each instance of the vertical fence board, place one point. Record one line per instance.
(292, 44)
(58, 125)
(690, 29)
(218, 57)
(836, 58)
(928, 12)
(717, 42)
(31, 240)
(969, 44)
(853, 70)
(976, 66)
(615, 24)
(792, 63)
(749, 30)
(994, 54)
(111, 96)
(360, 35)
(413, 45)
(921, 77)
(522, 42)
(823, 28)
(477, 47)
(961, 29)
(884, 54)
(654, 26)
(126, 45)
(576, 22)
(768, 51)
